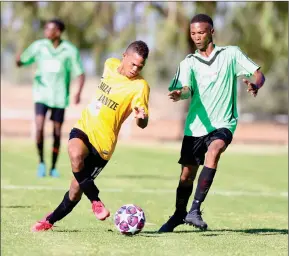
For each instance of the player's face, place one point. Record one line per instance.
(201, 34)
(51, 31)
(132, 63)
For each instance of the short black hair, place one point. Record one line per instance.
(202, 18)
(59, 23)
(140, 48)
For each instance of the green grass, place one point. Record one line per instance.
(251, 224)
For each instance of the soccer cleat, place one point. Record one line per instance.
(174, 221)
(99, 210)
(54, 173)
(195, 218)
(42, 225)
(41, 170)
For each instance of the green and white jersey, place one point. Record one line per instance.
(213, 84)
(55, 69)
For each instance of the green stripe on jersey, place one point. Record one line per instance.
(213, 82)
(55, 68)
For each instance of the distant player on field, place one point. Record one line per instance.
(57, 62)
(209, 76)
(93, 139)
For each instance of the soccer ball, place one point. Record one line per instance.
(129, 219)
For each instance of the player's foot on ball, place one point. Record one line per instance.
(42, 225)
(41, 170)
(195, 218)
(99, 210)
(54, 173)
(174, 221)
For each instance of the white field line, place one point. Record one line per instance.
(154, 191)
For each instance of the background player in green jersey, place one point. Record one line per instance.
(209, 76)
(58, 61)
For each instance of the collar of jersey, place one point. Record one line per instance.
(216, 48)
(51, 47)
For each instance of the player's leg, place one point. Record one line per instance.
(57, 116)
(184, 190)
(70, 200)
(217, 143)
(85, 168)
(185, 187)
(40, 113)
(183, 193)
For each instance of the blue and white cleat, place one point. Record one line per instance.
(54, 173)
(41, 170)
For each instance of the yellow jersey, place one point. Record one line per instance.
(116, 97)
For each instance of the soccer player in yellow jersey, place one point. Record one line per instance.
(92, 141)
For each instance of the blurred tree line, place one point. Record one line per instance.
(260, 29)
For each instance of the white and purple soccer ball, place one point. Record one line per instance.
(129, 219)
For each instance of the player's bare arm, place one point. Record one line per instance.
(18, 60)
(182, 94)
(81, 80)
(141, 117)
(259, 81)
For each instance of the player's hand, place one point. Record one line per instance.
(175, 95)
(139, 112)
(77, 98)
(252, 88)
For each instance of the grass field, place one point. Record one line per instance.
(246, 208)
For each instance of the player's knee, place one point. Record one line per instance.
(75, 192)
(188, 175)
(215, 151)
(75, 195)
(186, 180)
(56, 134)
(76, 159)
(56, 137)
(39, 134)
(57, 131)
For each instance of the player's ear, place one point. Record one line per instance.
(212, 31)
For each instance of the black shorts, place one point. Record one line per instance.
(93, 163)
(194, 148)
(57, 114)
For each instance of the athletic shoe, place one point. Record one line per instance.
(41, 170)
(42, 225)
(174, 221)
(195, 218)
(99, 210)
(54, 173)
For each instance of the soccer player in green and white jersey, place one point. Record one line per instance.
(209, 76)
(58, 61)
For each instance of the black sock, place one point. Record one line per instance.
(55, 150)
(64, 208)
(40, 150)
(204, 183)
(184, 192)
(87, 185)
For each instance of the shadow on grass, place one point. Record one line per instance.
(16, 206)
(217, 232)
(145, 176)
(67, 230)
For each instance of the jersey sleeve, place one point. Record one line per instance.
(141, 99)
(182, 77)
(76, 64)
(29, 54)
(244, 65)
